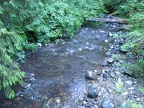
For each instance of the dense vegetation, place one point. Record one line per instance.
(24, 23)
(132, 10)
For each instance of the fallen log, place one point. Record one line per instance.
(125, 27)
(109, 20)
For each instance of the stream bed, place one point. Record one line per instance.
(58, 70)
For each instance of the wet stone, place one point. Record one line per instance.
(121, 61)
(108, 53)
(91, 75)
(80, 107)
(107, 104)
(99, 73)
(88, 105)
(105, 75)
(112, 47)
(54, 105)
(128, 73)
(112, 74)
(92, 93)
(138, 99)
(131, 56)
(104, 63)
(124, 105)
(80, 49)
(123, 50)
(132, 88)
(29, 78)
(121, 41)
(84, 102)
(93, 85)
(66, 106)
(106, 41)
(117, 73)
(29, 98)
(129, 83)
(92, 101)
(25, 85)
(110, 34)
(110, 60)
(125, 94)
(101, 91)
(109, 90)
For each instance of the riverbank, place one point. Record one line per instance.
(56, 74)
(113, 86)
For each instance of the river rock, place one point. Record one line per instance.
(129, 72)
(129, 83)
(121, 41)
(91, 75)
(99, 72)
(131, 56)
(110, 34)
(112, 74)
(138, 99)
(107, 104)
(25, 85)
(102, 91)
(108, 53)
(39, 44)
(80, 107)
(110, 60)
(106, 41)
(92, 93)
(80, 49)
(103, 63)
(125, 94)
(29, 77)
(117, 73)
(28, 98)
(105, 75)
(54, 103)
(123, 50)
(124, 105)
(66, 106)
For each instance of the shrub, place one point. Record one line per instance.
(25, 21)
(132, 10)
(9, 70)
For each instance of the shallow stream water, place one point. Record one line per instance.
(58, 70)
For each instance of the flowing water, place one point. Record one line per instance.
(58, 70)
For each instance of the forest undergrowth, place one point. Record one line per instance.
(25, 23)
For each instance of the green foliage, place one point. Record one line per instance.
(25, 22)
(62, 18)
(141, 89)
(9, 70)
(113, 6)
(132, 7)
(134, 105)
(116, 56)
(133, 11)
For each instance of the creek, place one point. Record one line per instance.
(58, 70)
